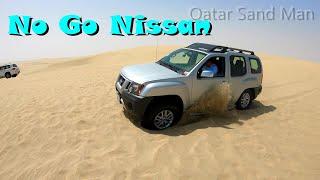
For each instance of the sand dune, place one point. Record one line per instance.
(60, 120)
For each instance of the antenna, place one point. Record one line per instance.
(157, 49)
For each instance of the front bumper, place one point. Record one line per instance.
(135, 104)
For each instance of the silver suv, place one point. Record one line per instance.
(158, 93)
(9, 70)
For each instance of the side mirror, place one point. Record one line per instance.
(207, 74)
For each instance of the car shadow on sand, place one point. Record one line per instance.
(192, 122)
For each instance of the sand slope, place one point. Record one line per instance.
(60, 119)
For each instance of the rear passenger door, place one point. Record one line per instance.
(239, 78)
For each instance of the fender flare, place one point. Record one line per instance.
(167, 88)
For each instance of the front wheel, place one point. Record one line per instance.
(160, 117)
(244, 100)
(7, 75)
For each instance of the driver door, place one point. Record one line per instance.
(202, 84)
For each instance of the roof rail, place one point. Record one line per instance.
(240, 50)
(202, 47)
(215, 48)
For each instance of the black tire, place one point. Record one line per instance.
(14, 75)
(245, 100)
(7, 75)
(152, 123)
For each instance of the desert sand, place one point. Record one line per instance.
(60, 119)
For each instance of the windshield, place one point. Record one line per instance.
(182, 60)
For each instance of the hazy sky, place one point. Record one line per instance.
(288, 38)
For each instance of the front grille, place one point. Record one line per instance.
(127, 87)
(121, 80)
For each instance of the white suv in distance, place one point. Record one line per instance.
(9, 70)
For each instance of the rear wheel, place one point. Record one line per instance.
(245, 100)
(7, 75)
(14, 75)
(161, 117)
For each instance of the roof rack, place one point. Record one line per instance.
(214, 48)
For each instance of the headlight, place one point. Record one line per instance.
(135, 88)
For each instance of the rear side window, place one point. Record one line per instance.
(238, 66)
(255, 66)
(14, 65)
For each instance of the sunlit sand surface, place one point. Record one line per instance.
(60, 119)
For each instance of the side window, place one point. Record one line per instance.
(237, 66)
(1, 67)
(14, 65)
(255, 65)
(217, 61)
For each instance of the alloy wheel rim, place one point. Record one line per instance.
(245, 100)
(163, 119)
